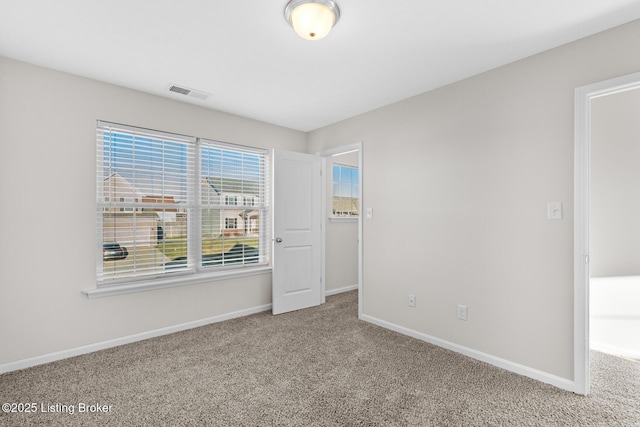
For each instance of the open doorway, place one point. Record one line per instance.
(585, 97)
(342, 202)
(614, 235)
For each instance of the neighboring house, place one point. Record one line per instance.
(231, 212)
(345, 206)
(131, 224)
(231, 201)
(118, 189)
(172, 217)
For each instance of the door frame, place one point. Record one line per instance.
(582, 157)
(329, 153)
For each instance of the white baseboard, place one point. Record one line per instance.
(617, 351)
(77, 351)
(341, 290)
(526, 371)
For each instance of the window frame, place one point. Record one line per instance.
(344, 218)
(194, 271)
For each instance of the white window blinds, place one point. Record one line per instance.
(160, 205)
(232, 175)
(144, 199)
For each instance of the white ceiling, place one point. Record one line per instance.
(249, 59)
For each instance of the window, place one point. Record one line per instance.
(346, 183)
(164, 206)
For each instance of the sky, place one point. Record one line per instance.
(345, 181)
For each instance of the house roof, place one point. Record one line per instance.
(231, 185)
(116, 183)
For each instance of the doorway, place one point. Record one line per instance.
(614, 235)
(342, 220)
(582, 217)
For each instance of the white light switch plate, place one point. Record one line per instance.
(369, 213)
(554, 210)
(462, 312)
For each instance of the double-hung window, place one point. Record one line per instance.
(346, 182)
(163, 205)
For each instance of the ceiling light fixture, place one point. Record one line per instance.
(312, 19)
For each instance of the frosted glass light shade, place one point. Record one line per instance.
(312, 20)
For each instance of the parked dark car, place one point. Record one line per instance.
(238, 254)
(113, 252)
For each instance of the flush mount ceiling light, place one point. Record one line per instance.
(312, 19)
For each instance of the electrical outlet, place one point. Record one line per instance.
(462, 312)
(412, 300)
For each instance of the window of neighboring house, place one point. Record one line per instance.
(346, 182)
(248, 201)
(160, 209)
(230, 200)
(129, 201)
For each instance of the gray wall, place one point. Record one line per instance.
(459, 180)
(615, 185)
(48, 202)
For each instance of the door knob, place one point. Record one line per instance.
(278, 240)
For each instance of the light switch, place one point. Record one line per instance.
(554, 210)
(369, 213)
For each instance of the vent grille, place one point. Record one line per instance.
(198, 94)
(178, 89)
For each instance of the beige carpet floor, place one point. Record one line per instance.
(315, 367)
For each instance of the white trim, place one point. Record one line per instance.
(581, 244)
(341, 290)
(360, 230)
(526, 371)
(344, 218)
(323, 210)
(77, 351)
(582, 120)
(170, 282)
(343, 149)
(618, 351)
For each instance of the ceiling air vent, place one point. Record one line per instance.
(189, 92)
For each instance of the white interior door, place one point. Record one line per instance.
(297, 255)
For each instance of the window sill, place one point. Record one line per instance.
(343, 218)
(178, 280)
